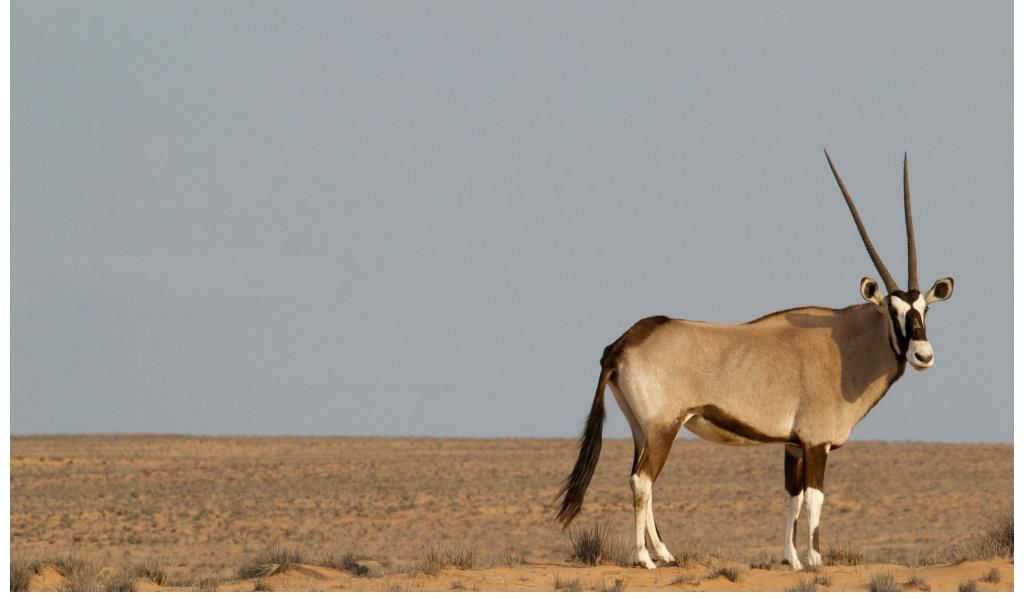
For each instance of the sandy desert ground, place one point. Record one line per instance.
(154, 512)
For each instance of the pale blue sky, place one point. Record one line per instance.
(430, 218)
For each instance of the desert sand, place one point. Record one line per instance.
(407, 512)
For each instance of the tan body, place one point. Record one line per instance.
(801, 376)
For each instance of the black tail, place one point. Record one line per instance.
(575, 486)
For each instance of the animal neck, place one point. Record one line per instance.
(877, 364)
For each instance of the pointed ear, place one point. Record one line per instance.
(941, 290)
(869, 290)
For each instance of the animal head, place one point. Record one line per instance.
(905, 309)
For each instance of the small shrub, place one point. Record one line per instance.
(261, 586)
(79, 575)
(437, 558)
(729, 572)
(271, 560)
(589, 545)
(997, 539)
(122, 582)
(206, 584)
(993, 576)
(21, 575)
(970, 586)
(764, 560)
(511, 558)
(843, 554)
(883, 583)
(617, 587)
(686, 580)
(575, 585)
(151, 570)
(348, 563)
(919, 583)
(690, 553)
(805, 584)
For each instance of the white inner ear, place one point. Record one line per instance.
(902, 308)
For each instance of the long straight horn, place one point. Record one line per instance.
(911, 244)
(890, 284)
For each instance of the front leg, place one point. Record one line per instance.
(794, 465)
(814, 494)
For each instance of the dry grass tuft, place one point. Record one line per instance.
(438, 558)
(823, 579)
(152, 570)
(993, 576)
(589, 545)
(21, 575)
(205, 584)
(575, 585)
(261, 586)
(79, 574)
(969, 586)
(272, 560)
(686, 580)
(884, 582)
(996, 540)
(843, 554)
(347, 563)
(511, 558)
(729, 572)
(918, 583)
(764, 560)
(616, 587)
(121, 582)
(690, 553)
(804, 585)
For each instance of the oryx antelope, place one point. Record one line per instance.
(802, 377)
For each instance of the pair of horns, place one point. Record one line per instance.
(890, 284)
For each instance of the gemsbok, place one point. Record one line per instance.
(802, 377)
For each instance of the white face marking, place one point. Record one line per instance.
(902, 308)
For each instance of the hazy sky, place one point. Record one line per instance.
(430, 218)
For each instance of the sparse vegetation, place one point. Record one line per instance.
(437, 558)
(21, 575)
(511, 558)
(347, 563)
(589, 545)
(919, 583)
(764, 560)
(883, 582)
(618, 586)
(729, 572)
(823, 579)
(121, 582)
(261, 586)
(997, 539)
(206, 583)
(79, 574)
(152, 570)
(843, 554)
(690, 553)
(804, 584)
(574, 585)
(272, 560)
(968, 586)
(993, 576)
(686, 579)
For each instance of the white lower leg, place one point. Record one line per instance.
(793, 504)
(661, 552)
(815, 499)
(641, 486)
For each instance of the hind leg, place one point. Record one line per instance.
(659, 442)
(639, 484)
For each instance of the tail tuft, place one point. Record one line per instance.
(575, 485)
